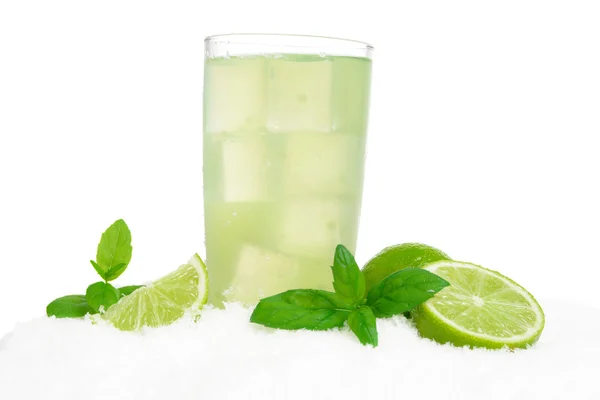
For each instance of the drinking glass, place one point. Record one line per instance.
(285, 123)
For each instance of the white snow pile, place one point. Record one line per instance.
(223, 356)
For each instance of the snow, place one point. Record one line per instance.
(223, 356)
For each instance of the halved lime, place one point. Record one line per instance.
(397, 257)
(163, 301)
(480, 308)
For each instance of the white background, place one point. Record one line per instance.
(482, 139)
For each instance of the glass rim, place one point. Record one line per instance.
(291, 41)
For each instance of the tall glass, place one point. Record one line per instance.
(285, 121)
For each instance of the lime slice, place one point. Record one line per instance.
(480, 308)
(163, 301)
(397, 257)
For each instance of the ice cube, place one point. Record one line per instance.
(299, 94)
(234, 97)
(324, 163)
(260, 273)
(315, 273)
(350, 98)
(244, 168)
(313, 227)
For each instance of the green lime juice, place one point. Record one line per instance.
(284, 147)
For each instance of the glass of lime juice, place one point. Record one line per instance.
(285, 122)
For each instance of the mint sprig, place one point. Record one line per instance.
(320, 310)
(112, 258)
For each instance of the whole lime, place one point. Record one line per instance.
(397, 257)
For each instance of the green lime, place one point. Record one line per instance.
(397, 257)
(163, 301)
(480, 308)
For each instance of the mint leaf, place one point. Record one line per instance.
(348, 280)
(114, 272)
(101, 294)
(402, 291)
(73, 306)
(302, 309)
(114, 249)
(98, 269)
(362, 322)
(127, 290)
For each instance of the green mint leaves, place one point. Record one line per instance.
(112, 258)
(74, 306)
(362, 322)
(302, 309)
(321, 310)
(114, 251)
(98, 269)
(101, 295)
(348, 280)
(402, 291)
